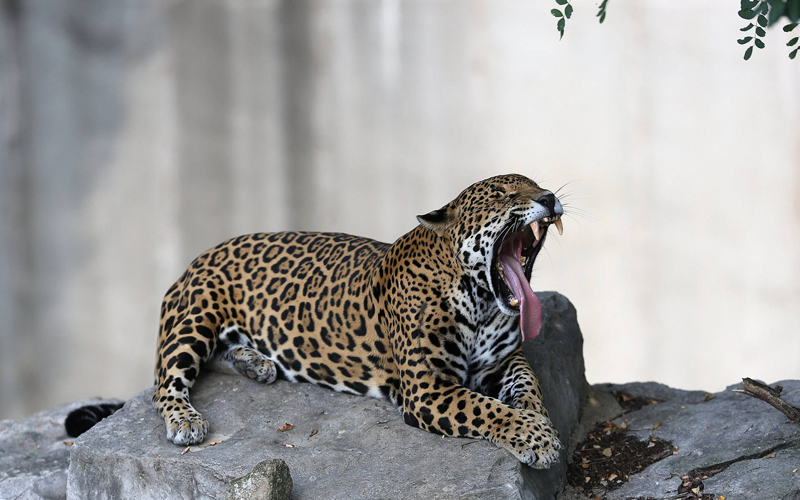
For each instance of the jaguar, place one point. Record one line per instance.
(433, 323)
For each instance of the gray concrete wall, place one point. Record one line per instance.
(137, 133)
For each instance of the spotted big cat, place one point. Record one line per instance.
(433, 322)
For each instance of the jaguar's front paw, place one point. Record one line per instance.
(533, 440)
(186, 427)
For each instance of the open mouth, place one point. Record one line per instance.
(511, 268)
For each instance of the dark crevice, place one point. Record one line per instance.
(692, 485)
(630, 403)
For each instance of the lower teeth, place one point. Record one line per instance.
(514, 302)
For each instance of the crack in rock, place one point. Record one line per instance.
(692, 484)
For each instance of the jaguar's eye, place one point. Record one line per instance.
(511, 195)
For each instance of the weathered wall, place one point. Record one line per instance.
(137, 133)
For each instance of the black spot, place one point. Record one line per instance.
(169, 350)
(204, 331)
(200, 349)
(452, 348)
(233, 337)
(185, 360)
(357, 386)
(438, 363)
(410, 419)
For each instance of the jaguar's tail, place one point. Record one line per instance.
(84, 418)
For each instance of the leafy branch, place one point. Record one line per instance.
(793, 41)
(601, 13)
(767, 13)
(562, 16)
(761, 13)
(755, 10)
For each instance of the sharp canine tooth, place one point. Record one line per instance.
(514, 302)
(535, 229)
(559, 226)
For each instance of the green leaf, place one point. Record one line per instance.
(602, 18)
(748, 53)
(759, 43)
(748, 27)
(792, 41)
(561, 2)
(568, 11)
(760, 32)
(561, 25)
(747, 14)
(793, 10)
(762, 20)
(556, 13)
(748, 4)
(793, 53)
(764, 8)
(776, 12)
(744, 40)
(789, 27)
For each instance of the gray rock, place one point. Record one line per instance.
(33, 454)
(730, 430)
(362, 449)
(269, 480)
(557, 358)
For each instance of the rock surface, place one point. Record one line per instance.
(361, 448)
(269, 480)
(33, 454)
(729, 432)
(345, 446)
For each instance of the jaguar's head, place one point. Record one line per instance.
(497, 228)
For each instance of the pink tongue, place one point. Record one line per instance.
(530, 308)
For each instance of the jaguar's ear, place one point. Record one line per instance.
(438, 220)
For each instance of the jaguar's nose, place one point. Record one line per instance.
(548, 201)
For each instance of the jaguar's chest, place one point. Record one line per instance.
(488, 335)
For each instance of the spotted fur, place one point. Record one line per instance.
(416, 322)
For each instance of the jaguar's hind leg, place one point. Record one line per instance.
(185, 343)
(236, 353)
(253, 364)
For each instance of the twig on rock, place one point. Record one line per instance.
(770, 395)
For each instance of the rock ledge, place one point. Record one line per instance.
(361, 446)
